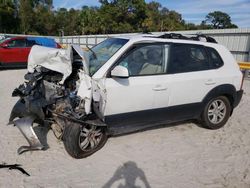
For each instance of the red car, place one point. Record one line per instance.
(15, 51)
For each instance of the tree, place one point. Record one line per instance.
(44, 20)
(153, 20)
(173, 21)
(73, 26)
(68, 22)
(91, 21)
(162, 19)
(26, 15)
(122, 15)
(113, 16)
(190, 26)
(61, 15)
(219, 20)
(8, 18)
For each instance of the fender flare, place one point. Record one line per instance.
(227, 90)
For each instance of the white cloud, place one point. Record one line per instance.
(85, 2)
(76, 4)
(196, 10)
(63, 4)
(199, 7)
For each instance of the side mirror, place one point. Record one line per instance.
(120, 72)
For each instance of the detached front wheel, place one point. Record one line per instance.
(82, 141)
(216, 113)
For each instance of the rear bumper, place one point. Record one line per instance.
(238, 98)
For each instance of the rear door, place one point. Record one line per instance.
(26, 50)
(191, 77)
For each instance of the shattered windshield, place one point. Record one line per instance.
(101, 53)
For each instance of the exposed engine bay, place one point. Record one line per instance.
(59, 92)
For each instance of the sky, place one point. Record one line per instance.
(193, 11)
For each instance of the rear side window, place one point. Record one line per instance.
(215, 58)
(187, 58)
(30, 43)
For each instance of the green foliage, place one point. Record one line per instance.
(113, 16)
(122, 15)
(219, 20)
(26, 15)
(8, 18)
(44, 20)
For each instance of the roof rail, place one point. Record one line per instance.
(196, 37)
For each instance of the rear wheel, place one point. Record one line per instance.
(83, 141)
(216, 113)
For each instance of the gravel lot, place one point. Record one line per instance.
(175, 156)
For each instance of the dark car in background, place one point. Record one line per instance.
(14, 51)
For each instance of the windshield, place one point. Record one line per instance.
(102, 52)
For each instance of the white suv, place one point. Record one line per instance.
(123, 85)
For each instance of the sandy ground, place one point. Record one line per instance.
(175, 156)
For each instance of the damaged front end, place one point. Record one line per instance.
(58, 92)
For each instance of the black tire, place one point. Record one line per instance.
(71, 140)
(213, 119)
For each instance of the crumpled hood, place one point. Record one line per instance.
(59, 60)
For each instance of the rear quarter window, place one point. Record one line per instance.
(215, 59)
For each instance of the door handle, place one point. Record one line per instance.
(159, 88)
(210, 82)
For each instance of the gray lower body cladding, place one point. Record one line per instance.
(25, 124)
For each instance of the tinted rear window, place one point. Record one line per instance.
(215, 59)
(187, 58)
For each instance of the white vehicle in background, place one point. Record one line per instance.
(125, 84)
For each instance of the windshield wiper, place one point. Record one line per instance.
(94, 54)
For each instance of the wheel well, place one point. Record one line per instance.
(231, 100)
(226, 90)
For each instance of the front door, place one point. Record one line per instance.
(134, 100)
(16, 51)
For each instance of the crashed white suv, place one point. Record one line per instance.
(123, 85)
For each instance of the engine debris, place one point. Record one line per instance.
(57, 89)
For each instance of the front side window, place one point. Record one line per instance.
(187, 58)
(102, 52)
(17, 43)
(146, 60)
